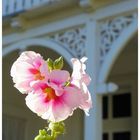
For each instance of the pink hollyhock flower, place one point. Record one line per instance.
(54, 100)
(28, 69)
(81, 79)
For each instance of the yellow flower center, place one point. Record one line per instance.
(38, 76)
(50, 93)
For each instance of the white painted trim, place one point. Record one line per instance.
(116, 49)
(44, 29)
(41, 42)
(119, 8)
(106, 88)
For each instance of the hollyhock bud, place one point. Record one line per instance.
(43, 135)
(50, 64)
(58, 127)
(58, 63)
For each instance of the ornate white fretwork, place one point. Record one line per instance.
(73, 40)
(111, 29)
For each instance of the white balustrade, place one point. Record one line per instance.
(28, 4)
(19, 5)
(10, 7)
(4, 7)
(36, 2)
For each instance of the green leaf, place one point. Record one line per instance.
(58, 63)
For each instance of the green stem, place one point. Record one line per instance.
(53, 135)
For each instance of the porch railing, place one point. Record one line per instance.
(11, 7)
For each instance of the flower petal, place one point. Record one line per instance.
(72, 96)
(57, 112)
(36, 103)
(58, 109)
(59, 76)
(86, 102)
(64, 106)
(27, 69)
(81, 79)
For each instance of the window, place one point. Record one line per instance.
(105, 136)
(121, 105)
(122, 136)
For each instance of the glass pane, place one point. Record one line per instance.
(122, 105)
(122, 136)
(105, 136)
(105, 107)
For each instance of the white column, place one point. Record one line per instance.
(93, 123)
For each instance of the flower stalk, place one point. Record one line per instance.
(52, 132)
